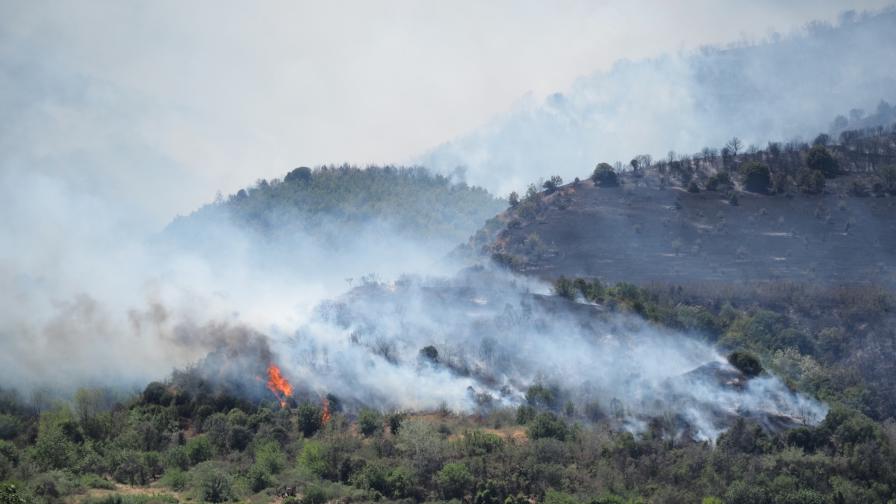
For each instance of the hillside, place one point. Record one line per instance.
(691, 219)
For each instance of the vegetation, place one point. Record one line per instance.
(208, 446)
(605, 176)
(413, 201)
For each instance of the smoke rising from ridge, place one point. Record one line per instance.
(494, 337)
(785, 87)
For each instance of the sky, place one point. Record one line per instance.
(148, 108)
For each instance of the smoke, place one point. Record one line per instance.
(87, 297)
(495, 336)
(784, 87)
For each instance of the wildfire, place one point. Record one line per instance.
(278, 384)
(325, 414)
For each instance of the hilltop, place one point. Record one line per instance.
(330, 201)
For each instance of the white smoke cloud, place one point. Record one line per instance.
(782, 88)
(495, 337)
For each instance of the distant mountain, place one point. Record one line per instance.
(783, 87)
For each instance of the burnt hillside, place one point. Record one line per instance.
(819, 213)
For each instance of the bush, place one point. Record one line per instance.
(199, 449)
(309, 419)
(548, 425)
(9, 494)
(820, 160)
(259, 477)
(604, 176)
(552, 183)
(213, 483)
(175, 479)
(177, 457)
(541, 396)
(693, 187)
(811, 182)
(370, 422)
(756, 177)
(718, 181)
(552, 496)
(239, 438)
(156, 393)
(10, 426)
(746, 363)
(395, 420)
(270, 457)
(314, 457)
(454, 480)
(314, 495)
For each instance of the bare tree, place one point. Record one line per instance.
(734, 145)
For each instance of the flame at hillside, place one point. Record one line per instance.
(325, 415)
(278, 384)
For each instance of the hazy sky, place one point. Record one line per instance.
(159, 104)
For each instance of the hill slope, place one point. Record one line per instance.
(653, 228)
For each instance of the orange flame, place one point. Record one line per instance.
(325, 414)
(278, 384)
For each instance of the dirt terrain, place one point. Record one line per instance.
(640, 233)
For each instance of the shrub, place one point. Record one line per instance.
(395, 420)
(314, 457)
(175, 479)
(478, 443)
(756, 177)
(156, 393)
(259, 477)
(693, 187)
(820, 159)
(199, 449)
(552, 496)
(548, 425)
(309, 419)
(177, 456)
(9, 494)
(10, 426)
(718, 181)
(811, 182)
(887, 176)
(370, 422)
(314, 494)
(604, 176)
(270, 457)
(239, 438)
(746, 363)
(454, 480)
(213, 483)
(541, 396)
(552, 183)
